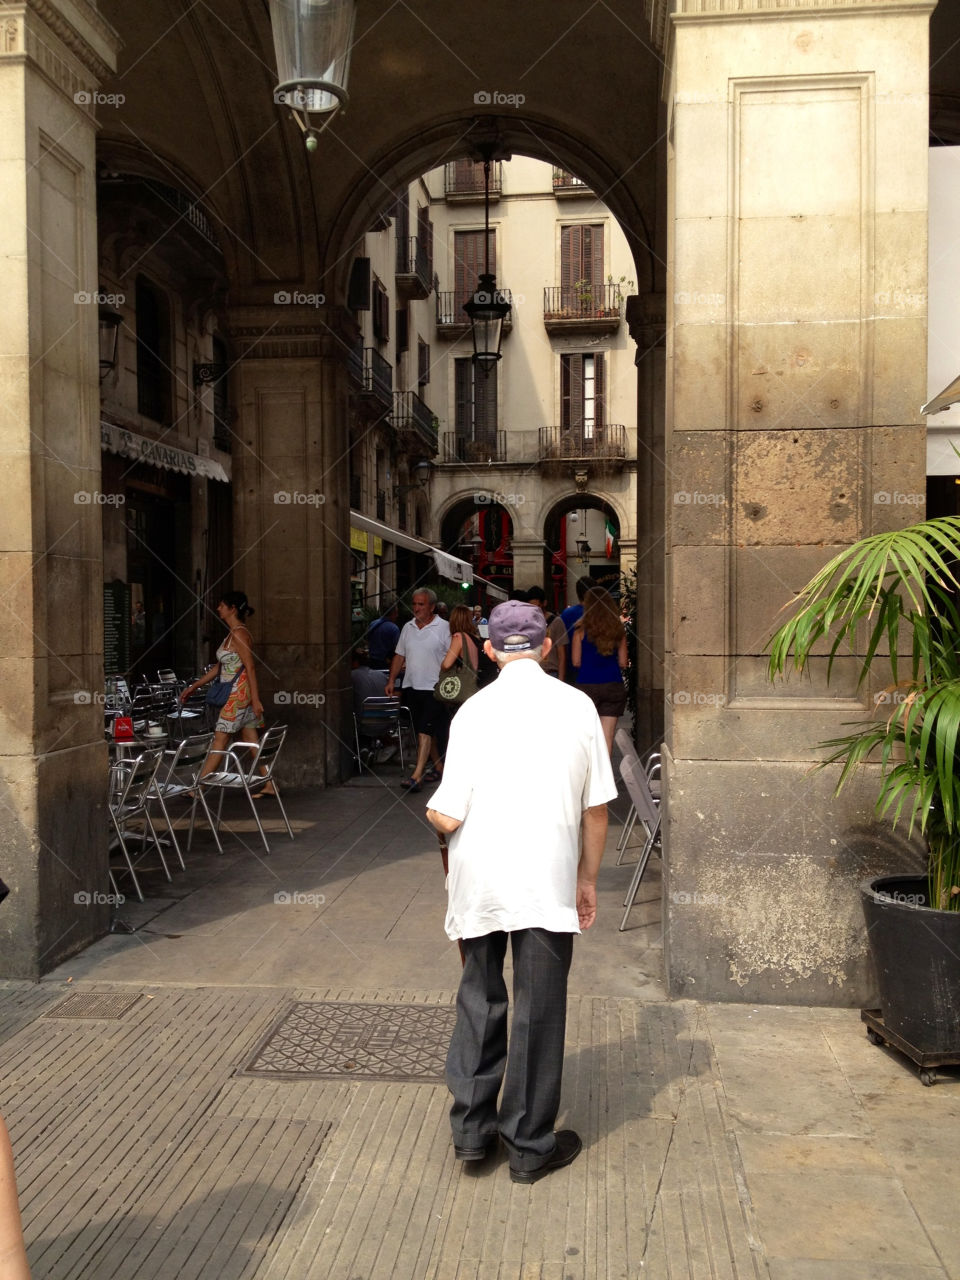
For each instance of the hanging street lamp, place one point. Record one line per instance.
(489, 306)
(313, 40)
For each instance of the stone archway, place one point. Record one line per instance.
(481, 533)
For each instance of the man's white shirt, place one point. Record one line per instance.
(423, 649)
(526, 756)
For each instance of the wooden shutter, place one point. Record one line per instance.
(485, 405)
(403, 329)
(468, 263)
(425, 233)
(599, 390)
(423, 362)
(581, 258)
(571, 392)
(463, 390)
(401, 213)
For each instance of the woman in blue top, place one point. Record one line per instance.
(598, 651)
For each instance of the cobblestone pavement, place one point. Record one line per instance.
(719, 1141)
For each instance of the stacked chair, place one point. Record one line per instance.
(642, 780)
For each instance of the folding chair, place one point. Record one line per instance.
(381, 718)
(179, 779)
(130, 784)
(628, 752)
(239, 771)
(648, 813)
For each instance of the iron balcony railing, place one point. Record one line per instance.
(582, 302)
(466, 181)
(412, 414)
(377, 376)
(461, 448)
(602, 440)
(414, 264)
(567, 183)
(450, 312)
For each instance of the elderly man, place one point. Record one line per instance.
(422, 646)
(526, 782)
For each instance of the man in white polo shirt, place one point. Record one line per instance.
(422, 646)
(527, 776)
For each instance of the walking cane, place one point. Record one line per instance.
(445, 857)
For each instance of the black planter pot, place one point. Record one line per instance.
(916, 952)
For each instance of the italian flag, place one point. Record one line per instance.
(610, 534)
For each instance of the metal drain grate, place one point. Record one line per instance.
(331, 1041)
(93, 1004)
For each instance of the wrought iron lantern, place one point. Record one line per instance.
(313, 40)
(489, 306)
(109, 329)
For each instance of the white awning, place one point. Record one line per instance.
(448, 566)
(128, 444)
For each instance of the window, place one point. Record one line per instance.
(403, 330)
(468, 262)
(581, 262)
(381, 311)
(153, 353)
(358, 292)
(476, 402)
(423, 362)
(424, 240)
(582, 393)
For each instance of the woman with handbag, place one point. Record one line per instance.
(232, 685)
(466, 647)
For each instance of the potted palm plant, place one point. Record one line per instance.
(891, 599)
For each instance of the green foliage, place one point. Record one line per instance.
(628, 609)
(895, 593)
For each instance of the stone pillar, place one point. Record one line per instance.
(527, 555)
(797, 216)
(53, 764)
(292, 528)
(645, 316)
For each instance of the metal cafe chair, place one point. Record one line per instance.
(130, 784)
(176, 779)
(628, 751)
(239, 772)
(648, 814)
(381, 718)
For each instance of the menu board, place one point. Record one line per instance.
(116, 628)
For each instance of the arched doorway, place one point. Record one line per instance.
(581, 539)
(482, 533)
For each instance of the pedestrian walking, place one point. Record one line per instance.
(526, 784)
(464, 636)
(382, 636)
(421, 648)
(598, 651)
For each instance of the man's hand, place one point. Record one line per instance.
(388, 689)
(586, 903)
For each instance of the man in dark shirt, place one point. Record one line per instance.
(571, 616)
(382, 636)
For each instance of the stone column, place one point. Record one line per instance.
(645, 316)
(53, 764)
(796, 348)
(292, 528)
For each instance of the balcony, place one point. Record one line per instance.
(582, 308)
(463, 181)
(414, 418)
(604, 442)
(452, 320)
(372, 377)
(567, 184)
(414, 267)
(461, 449)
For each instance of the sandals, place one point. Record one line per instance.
(433, 775)
(410, 785)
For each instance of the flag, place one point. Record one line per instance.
(610, 534)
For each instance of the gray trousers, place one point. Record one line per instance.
(478, 1060)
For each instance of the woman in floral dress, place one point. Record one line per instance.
(242, 714)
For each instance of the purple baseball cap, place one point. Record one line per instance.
(516, 626)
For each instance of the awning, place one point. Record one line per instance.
(128, 444)
(448, 566)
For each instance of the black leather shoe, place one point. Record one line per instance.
(566, 1151)
(475, 1153)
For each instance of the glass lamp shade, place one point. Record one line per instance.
(312, 39)
(110, 322)
(487, 309)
